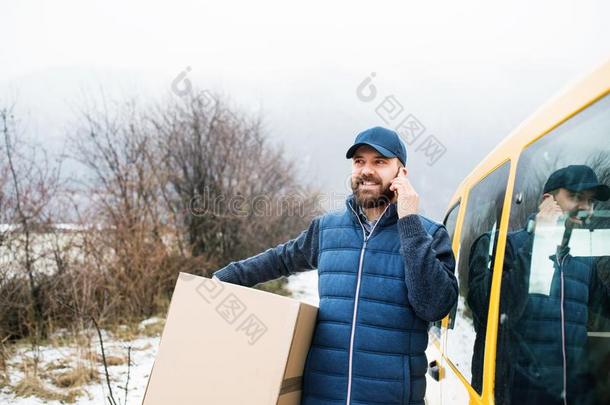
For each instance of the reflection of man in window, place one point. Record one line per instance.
(545, 299)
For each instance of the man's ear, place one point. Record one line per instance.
(404, 171)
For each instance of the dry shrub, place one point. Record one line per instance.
(153, 329)
(28, 365)
(59, 364)
(14, 298)
(150, 174)
(31, 385)
(5, 354)
(75, 377)
(112, 360)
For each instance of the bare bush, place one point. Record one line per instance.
(29, 184)
(242, 194)
(186, 185)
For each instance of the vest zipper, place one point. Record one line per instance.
(360, 261)
(563, 334)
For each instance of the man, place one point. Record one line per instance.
(385, 272)
(542, 353)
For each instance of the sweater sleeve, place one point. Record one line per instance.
(429, 268)
(296, 255)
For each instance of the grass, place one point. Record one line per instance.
(112, 360)
(96, 358)
(75, 377)
(5, 353)
(59, 364)
(29, 365)
(31, 385)
(61, 373)
(132, 330)
(153, 329)
(277, 286)
(125, 332)
(65, 379)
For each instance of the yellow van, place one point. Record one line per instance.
(531, 233)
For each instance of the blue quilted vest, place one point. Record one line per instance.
(368, 346)
(539, 348)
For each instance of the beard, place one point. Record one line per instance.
(578, 219)
(371, 198)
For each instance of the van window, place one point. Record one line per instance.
(466, 341)
(554, 332)
(450, 223)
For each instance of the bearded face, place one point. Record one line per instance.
(370, 191)
(576, 206)
(372, 176)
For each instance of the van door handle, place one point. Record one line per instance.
(434, 370)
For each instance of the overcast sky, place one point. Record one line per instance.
(468, 71)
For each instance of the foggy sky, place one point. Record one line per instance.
(469, 71)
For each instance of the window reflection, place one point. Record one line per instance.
(467, 323)
(554, 332)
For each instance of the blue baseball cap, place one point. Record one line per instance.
(385, 141)
(577, 178)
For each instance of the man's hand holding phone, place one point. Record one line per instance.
(549, 212)
(407, 199)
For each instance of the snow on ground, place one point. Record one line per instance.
(304, 287)
(460, 340)
(143, 351)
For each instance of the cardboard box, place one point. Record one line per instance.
(226, 344)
